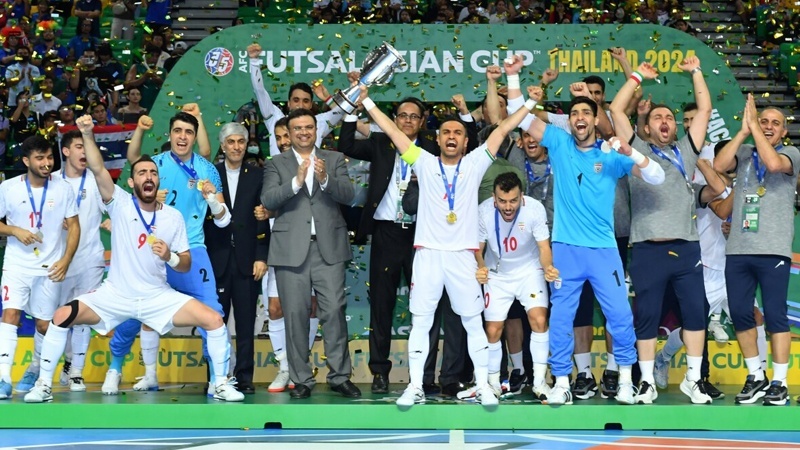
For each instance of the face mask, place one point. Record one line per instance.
(254, 150)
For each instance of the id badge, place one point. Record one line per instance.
(750, 213)
(401, 216)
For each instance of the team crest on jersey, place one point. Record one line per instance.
(521, 226)
(598, 166)
(51, 204)
(83, 194)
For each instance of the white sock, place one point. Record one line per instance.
(761, 342)
(8, 346)
(52, 348)
(81, 336)
(418, 342)
(562, 381)
(149, 341)
(754, 367)
(693, 369)
(612, 362)
(494, 379)
(495, 358)
(313, 324)
(540, 350)
(779, 371)
(277, 337)
(647, 371)
(625, 375)
(583, 361)
(477, 347)
(673, 344)
(539, 374)
(219, 350)
(516, 360)
(37, 351)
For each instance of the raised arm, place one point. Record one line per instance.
(529, 123)
(622, 125)
(399, 139)
(270, 112)
(493, 74)
(511, 122)
(772, 160)
(725, 160)
(644, 167)
(203, 144)
(604, 127)
(699, 126)
(94, 160)
(714, 183)
(620, 55)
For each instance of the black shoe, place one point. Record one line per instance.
(380, 384)
(516, 382)
(245, 387)
(584, 387)
(609, 384)
(777, 394)
(300, 391)
(347, 389)
(752, 390)
(712, 390)
(431, 389)
(452, 389)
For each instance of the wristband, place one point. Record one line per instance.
(214, 204)
(695, 70)
(174, 260)
(513, 81)
(530, 104)
(328, 100)
(368, 104)
(637, 77)
(637, 157)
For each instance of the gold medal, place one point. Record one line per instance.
(151, 239)
(451, 217)
(200, 185)
(761, 191)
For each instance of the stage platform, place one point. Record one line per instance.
(185, 407)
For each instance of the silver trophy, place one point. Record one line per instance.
(377, 70)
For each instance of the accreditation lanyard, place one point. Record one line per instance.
(450, 190)
(36, 214)
(402, 182)
(533, 179)
(761, 172)
(497, 231)
(80, 189)
(147, 226)
(188, 169)
(677, 161)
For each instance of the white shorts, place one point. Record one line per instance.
(114, 307)
(269, 285)
(500, 292)
(34, 294)
(716, 292)
(73, 286)
(435, 270)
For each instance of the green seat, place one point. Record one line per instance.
(789, 58)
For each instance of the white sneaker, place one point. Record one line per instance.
(281, 382)
(647, 393)
(716, 329)
(559, 395)
(488, 395)
(76, 384)
(210, 390)
(146, 383)
(626, 394)
(468, 394)
(40, 393)
(411, 396)
(541, 392)
(111, 384)
(696, 391)
(661, 371)
(227, 391)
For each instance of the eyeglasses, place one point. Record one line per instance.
(406, 116)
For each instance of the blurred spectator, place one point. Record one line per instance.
(43, 12)
(179, 49)
(88, 81)
(684, 26)
(158, 13)
(122, 21)
(433, 10)
(20, 75)
(84, 40)
(24, 122)
(4, 129)
(158, 40)
(501, 13)
(100, 114)
(46, 45)
(17, 9)
(109, 65)
(89, 9)
(473, 14)
(27, 28)
(66, 115)
(8, 52)
(49, 130)
(237, 21)
(146, 76)
(130, 113)
(45, 100)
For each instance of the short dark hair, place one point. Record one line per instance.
(68, 137)
(689, 107)
(299, 112)
(36, 144)
(507, 181)
(594, 79)
(151, 49)
(282, 122)
(185, 117)
(305, 87)
(581, 100)
(414, 100)
(720, 145)
(143, 158)
(653, 108)
(452, 119)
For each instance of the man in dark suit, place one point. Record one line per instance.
(392, 249)
(310, 248)
(238, 252)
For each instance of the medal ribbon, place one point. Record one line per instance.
(147, 226)
(188, 169)
(80, 189)
(677, 162)
(533, 179)
(497, 231)
(450, 190)
(41, 203)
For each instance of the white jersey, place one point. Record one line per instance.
(134, 267)
(15, 206)
(433, 230)
(707, 152)
(90, 214)
(712, 241)
(517, 250)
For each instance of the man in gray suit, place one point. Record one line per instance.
(309, 248)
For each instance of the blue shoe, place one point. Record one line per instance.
(26, 383)
(5, 390)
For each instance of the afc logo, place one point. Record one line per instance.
(219, 61)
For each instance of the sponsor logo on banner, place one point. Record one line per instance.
(219, 61)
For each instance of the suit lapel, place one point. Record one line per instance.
(292, 166)
(226, 192)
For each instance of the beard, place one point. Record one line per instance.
(143, 196)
